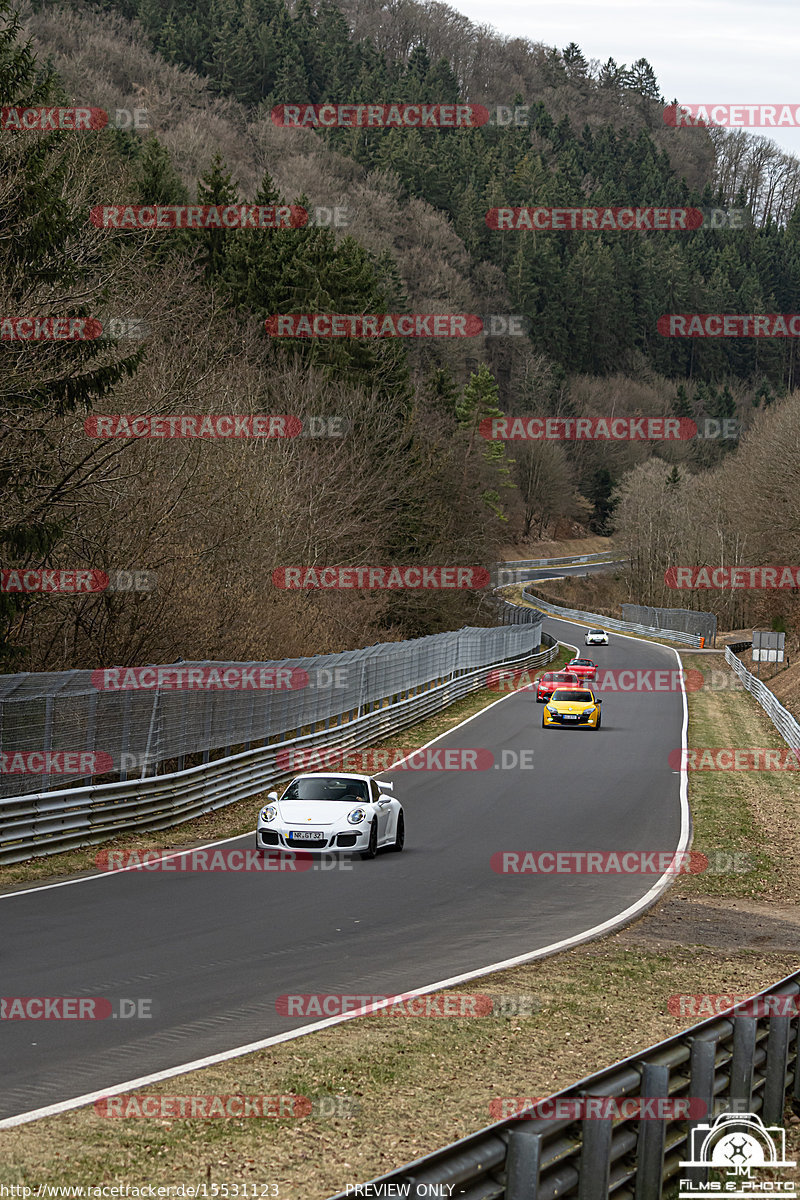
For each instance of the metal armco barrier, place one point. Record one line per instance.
(781, 718)
(523, 564)
(733, 1063)
(148, 720)
(588, 618)
(45, 823)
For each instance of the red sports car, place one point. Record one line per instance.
(584, 668)
(555, 679)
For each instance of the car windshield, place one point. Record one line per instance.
(601, 632)
(572, 694)
(567, 677)
(581, 662)
(332, 787)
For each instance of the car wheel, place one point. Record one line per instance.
(372, 848)
(400, 835)
(544, 726)
(599, 722)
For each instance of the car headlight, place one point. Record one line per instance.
(587, 712)
(553, 712)
(356, 816)
(269, 813)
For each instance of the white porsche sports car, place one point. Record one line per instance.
(596, 637)
(320, 812)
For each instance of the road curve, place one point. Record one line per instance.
(214, 951)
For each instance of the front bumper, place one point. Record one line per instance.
(352, 840)
(583, 719)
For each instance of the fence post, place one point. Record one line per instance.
(650, 1147)
(523, 1164)
(595, 1165)
(744, 1044)
(702, 1069)
(775, 1074)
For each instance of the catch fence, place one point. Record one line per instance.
(603, 622)
(688, 620)
(376, 693)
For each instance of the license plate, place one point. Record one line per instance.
(569, 717)
(307, 835)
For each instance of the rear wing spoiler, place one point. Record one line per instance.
(389, 786)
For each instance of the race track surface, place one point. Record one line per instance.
(214, 951)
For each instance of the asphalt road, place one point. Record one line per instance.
(213, 951)
(532, 574)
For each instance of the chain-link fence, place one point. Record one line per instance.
(605, 622)
(687, 620)
(76, 728)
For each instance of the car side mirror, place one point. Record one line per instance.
(597, 700)
(272, 797)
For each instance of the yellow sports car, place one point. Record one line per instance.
(572, 706)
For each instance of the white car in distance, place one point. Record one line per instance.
(596, 637)
(324, 813)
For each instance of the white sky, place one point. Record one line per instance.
(702, 51)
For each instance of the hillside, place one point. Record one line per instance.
(413, 480)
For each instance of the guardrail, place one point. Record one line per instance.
(737, 1063)
(781, 718)
(598, 557)
(45, 823)
(578, 614)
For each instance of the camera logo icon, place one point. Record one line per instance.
(737, 1143)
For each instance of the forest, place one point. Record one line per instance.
(411, 480)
